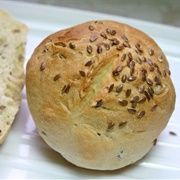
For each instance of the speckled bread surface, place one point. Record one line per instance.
(13, 37)
(100, 93)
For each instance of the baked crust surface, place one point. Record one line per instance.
(100, 93)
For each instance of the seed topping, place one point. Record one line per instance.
(111, 125)
(138, 47)
(134, 99)
(160, 58)
(119, 88)
(82, 73)
(164, 73)
(144, 70)
(45, 50)
(151, 52)
(108, 31)
(123, 57)
(91, 28)
(99, 49)
(138, 60)
(123, 102)
(43, 65)
(119, 48)
(126, 44)
(143, 77)
(115, 73)
(110, 88)
(149, 62)
(141, 89)
(149, 81)
(147, 95)
(113, 32)
(140, 114)
(158, 71)
(132, 111)
(114, 41)
(89, 49)
(123, 78)
(169, 72)
(157, 79)
(155, 142)
(89, 63)
(122, 124)
(119, 68)
(133, 104)
(128, 93)
(142, 99)
(72, 45)
(124, 38)
(132, 63)
(99, 103)
(130, 56)
(131, 78)
(103, 35)
(93, 38)
(57, 77)
(151, 69)
(154, 108)
(66, 88)
(106, 45)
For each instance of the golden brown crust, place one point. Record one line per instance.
(100, 93)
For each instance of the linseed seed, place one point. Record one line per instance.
(124, 38)
(93, 38)
(82, 73)
(43, 65)
(123, 102)
(91, 28)
(123, 78)
(89, 63)
(99, 49)
(132, 111)
(128, 93)
(141, 114)
(154, 108)
(111, 125)
(119, 88)
(103, 35)
(122, 124)
(89, 49)
(111, 88)
(57, 77)
(72, 45)
(123, 57)
(99, 103)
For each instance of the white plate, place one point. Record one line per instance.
(25, 155)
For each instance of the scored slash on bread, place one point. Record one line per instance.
(12, 50)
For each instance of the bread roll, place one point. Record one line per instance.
(100, 93)
(12, 50)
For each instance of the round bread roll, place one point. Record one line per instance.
(100, 93)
